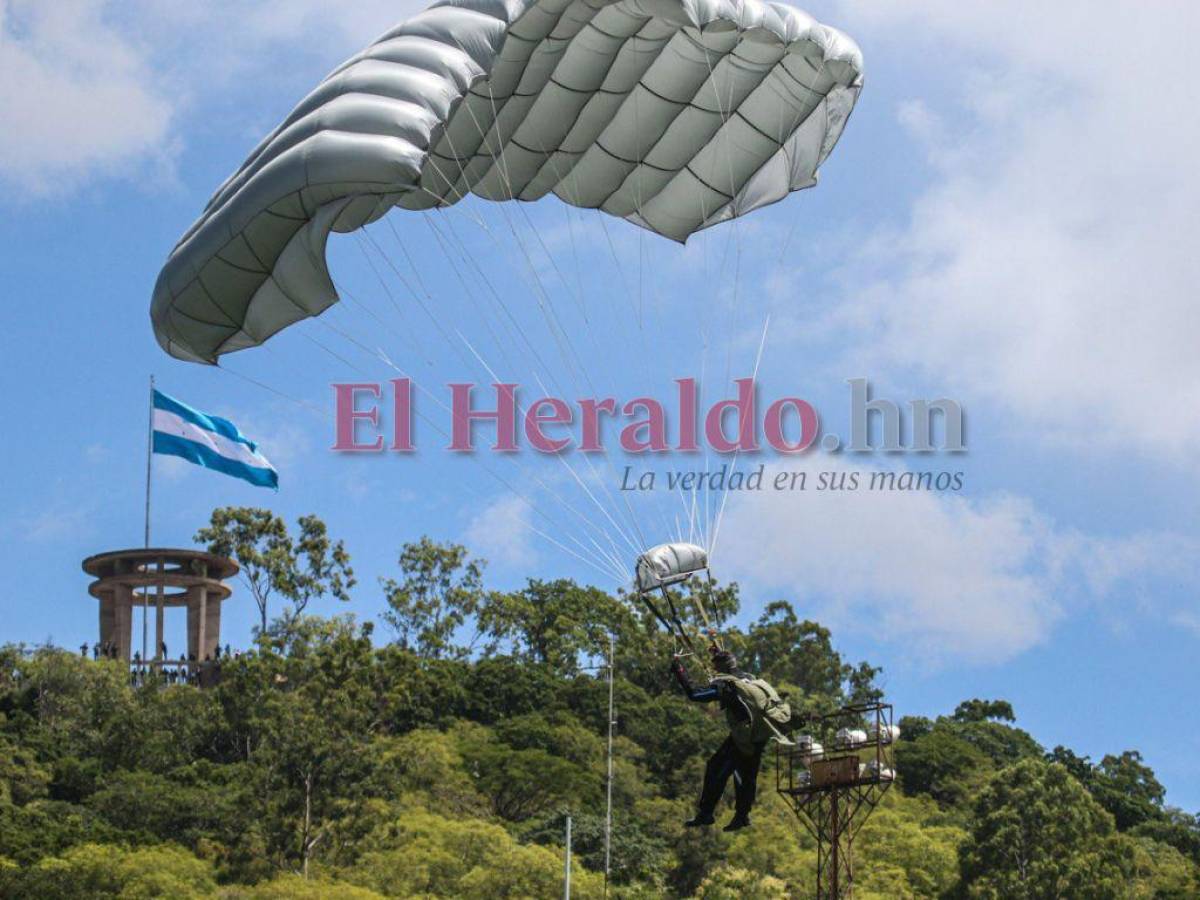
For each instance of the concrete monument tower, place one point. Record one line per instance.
(128, 579)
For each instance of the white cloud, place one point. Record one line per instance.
(56, 521)
(1188, 620)
(77, 99)
(95, 88)
(500, 533)
(96, 453)
(172, 468)
(1051, 264)
(282, 440)
(953, 579)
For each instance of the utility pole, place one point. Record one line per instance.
(612, 722)
(567, 863)
(146, 531)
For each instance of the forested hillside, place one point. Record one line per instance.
(434, 755)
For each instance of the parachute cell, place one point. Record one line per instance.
(672, 114)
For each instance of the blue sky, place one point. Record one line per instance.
(1009, 221)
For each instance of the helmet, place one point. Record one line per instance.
(723, 660)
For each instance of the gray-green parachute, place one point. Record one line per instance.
(673, 114)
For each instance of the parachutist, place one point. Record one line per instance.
(755, 714)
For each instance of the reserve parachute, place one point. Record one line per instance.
(672, 114)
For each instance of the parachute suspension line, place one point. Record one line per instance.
(618, 568)
(405, 334)
(562, 180)
(733, 468)
(305, 404)
(612, 571)
(491, 371)
(635, 91)
(633, 518)
(717, 283)
(365, 307)
(722, 109)
(553, 262)
(308, 337)
(480, 307)
(680, 629)
(503, 169)
(416, 296)
(736, 236)
(642, 356)
(543, 298)
(567, 209)
(586, 459)
(600, 506)
(534, 507)
(500, 301)
(461, 248)
(573, 174)
(553, 324)
(615, 569)
(734, 305)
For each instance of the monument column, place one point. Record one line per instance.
(203, 623)
(122, 620)
(158, 612)
(213, 628)
(108, 615)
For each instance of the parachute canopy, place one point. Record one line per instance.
(668, 564)
(672, 114)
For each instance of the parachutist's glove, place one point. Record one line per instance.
(680, 674)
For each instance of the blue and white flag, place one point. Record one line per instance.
(208, 441)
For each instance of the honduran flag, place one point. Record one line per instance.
(208, 441)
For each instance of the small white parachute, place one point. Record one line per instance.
(668, 564)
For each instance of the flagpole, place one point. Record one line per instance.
(146, 536)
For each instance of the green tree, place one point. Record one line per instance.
(298, 569)
(551, 623)
(103, 870)
(729, 883)
(1162, 872)
(787, 650)
(1037, 834)
(314, 727)
(1124, 785)
(638, 856)
(943, 766)
(522, 782)
(441, 589)
(983, 710)
(1174, 827)
(907, 846)
(1127, 788)
(426, 855)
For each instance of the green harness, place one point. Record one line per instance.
(768, 714)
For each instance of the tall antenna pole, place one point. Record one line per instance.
(146, 535)
(612, 640)
(567, 863)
